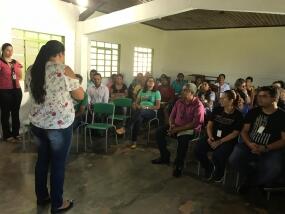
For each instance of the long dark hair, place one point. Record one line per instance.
(145, 85)
(4, 46)
(38, 71)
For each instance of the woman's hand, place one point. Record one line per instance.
(69, 72)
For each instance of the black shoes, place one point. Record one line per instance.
(161, 161)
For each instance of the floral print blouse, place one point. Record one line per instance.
(57, 112)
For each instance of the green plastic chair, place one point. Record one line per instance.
(122, 102)
(106, 109)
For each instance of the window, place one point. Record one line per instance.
(104, 57)
(26, 45)
(142, 60)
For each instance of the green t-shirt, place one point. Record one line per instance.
(83, 102)
(149, 98)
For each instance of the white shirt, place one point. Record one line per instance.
(223, 88)
(98, 95)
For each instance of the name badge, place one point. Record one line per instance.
(260, 129)
(14, 76)
(219, 133)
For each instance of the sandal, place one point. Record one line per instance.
(60, 210)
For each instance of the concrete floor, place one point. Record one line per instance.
(120, 182)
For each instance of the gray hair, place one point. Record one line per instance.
(191, 87)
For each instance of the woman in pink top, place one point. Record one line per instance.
(10, 93)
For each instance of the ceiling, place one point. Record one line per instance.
(212, 19)
(198, 19)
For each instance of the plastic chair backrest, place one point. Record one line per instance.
(104, 108)
(123, 102)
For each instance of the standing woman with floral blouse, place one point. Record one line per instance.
(10, 93)
(52, 87)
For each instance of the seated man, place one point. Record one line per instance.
(80, 106)
(186, 117)
(259, 157)
(97, 93)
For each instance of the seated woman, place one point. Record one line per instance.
(119, 89)
(144, 108)
(136, 85)
(240, 88)
(79, 106)
(242, 106)
(223, 130)
(207, 97)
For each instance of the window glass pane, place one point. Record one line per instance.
(107, 68)
(58, 38)
(93, 55)
(115, 52)
(114, 63)
(115, 57)
(100, 68)
(93, 62)
(108, 52)
(100, 62)
(100, 44)
(102, 74)
(107, 74)
(114, 72)
(108, 63)
(31, 35)
(44, 37)
(108, 45)
(108, 57)
(93, 43)
(19, 34)
(114, 69)
(93, 50)
(101, 56)
(101, 51)
(115, 46)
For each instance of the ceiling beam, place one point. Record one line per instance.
(136, 14)
(93, 6)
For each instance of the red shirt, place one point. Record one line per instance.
(6, 81)
(167, 93)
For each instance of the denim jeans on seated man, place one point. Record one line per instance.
(259, 170)
(53, 149)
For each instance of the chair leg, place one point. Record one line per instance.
(77, 138)
(237, 180)
(106, 141)
(116, 136)
(225, 176)
(90, 137)
(198, 168)
(24, 139)
(148, 133)
(85, 139)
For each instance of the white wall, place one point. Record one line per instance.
(258, 52)
(46, 16)
(129, 37)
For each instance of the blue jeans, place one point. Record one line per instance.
(138, 116)
(220, 155)
(53, 149)
(258, 170)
